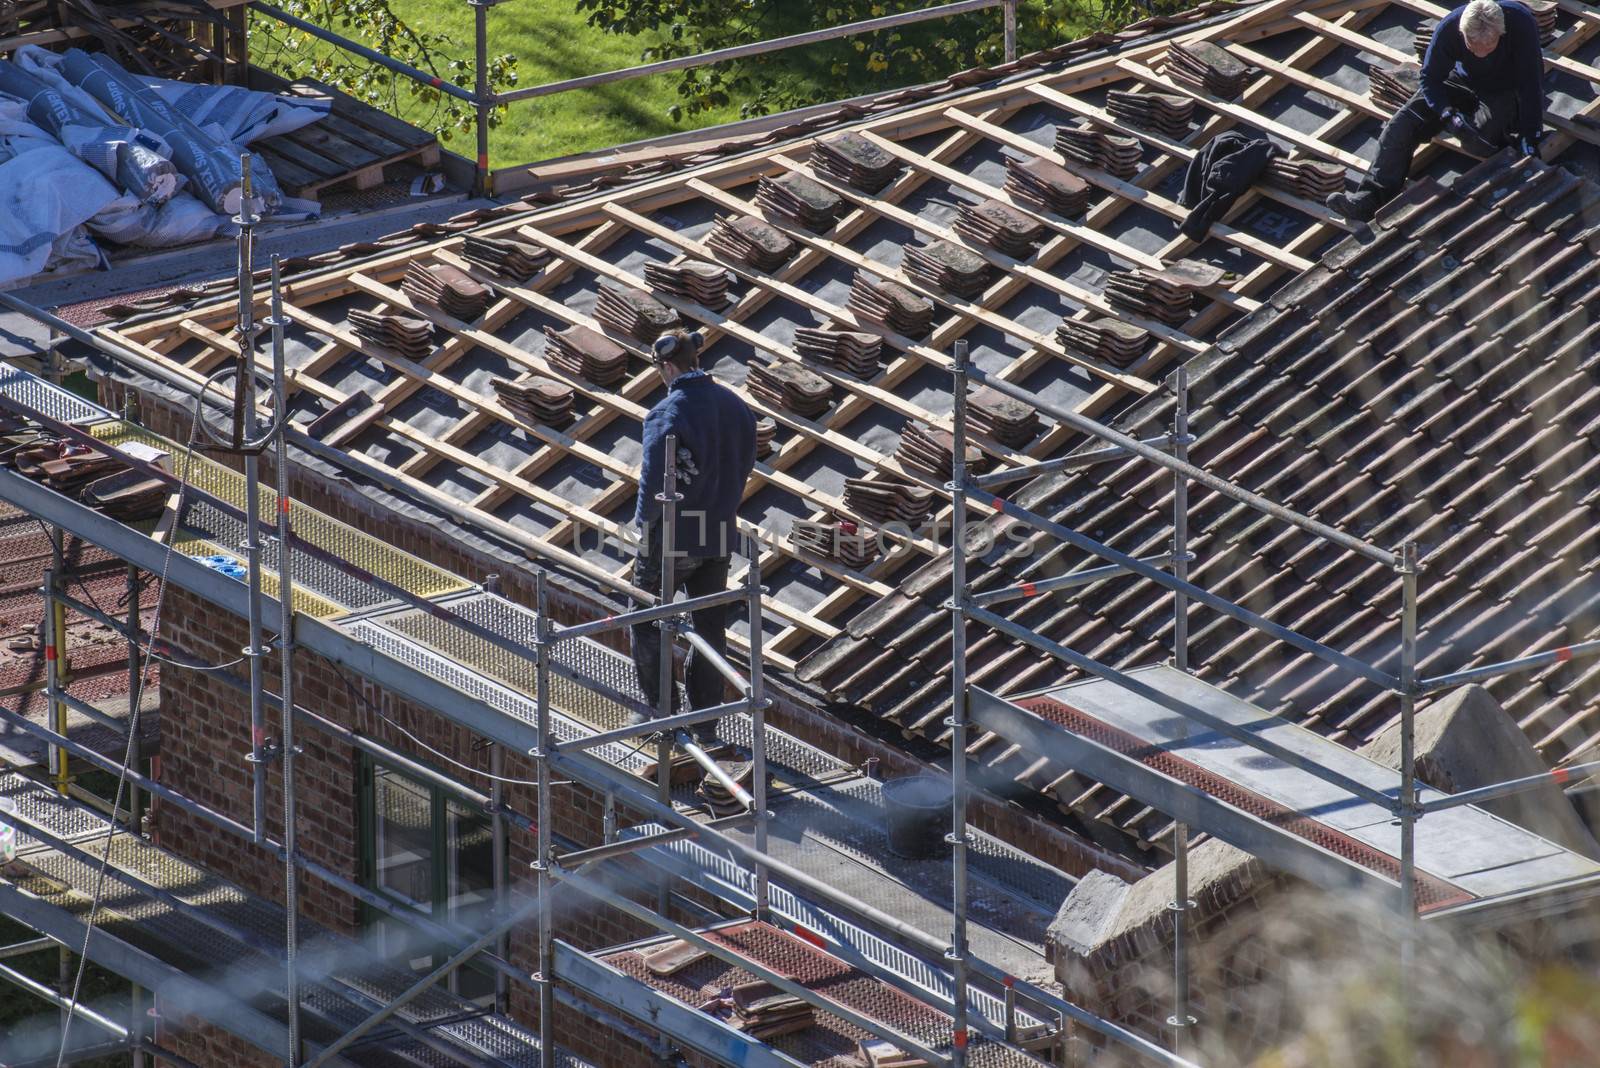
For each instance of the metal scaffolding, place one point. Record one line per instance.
(983, 1002)
(966, 605)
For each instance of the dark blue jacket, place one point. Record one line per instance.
(716, 434)
(1516, 64)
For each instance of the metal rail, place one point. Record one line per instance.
(484, 102)
(316, 635)
(760, 48)
(964, 604)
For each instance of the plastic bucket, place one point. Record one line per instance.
(918, 812)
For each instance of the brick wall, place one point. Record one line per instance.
(203, 753)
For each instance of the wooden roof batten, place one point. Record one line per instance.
(585, 238)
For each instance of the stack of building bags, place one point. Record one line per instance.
(89, 153)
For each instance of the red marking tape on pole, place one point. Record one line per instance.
(1029, 589)
(49, 652)
(960, 1038)
(1000, 504)
(1561, 774)
(1008, 981)
(809, 936)
(283, 505)
(483, 163)
(1563, 654)
(435, 81)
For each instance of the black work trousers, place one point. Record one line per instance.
(1495, 116)
(697, 577)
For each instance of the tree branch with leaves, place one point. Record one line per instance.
(295, 55)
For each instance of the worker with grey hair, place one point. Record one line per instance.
(1482, 79)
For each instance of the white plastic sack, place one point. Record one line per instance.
(241, 115)
(44, 194)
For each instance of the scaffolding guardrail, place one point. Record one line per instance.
(484, 102)
(965, 604)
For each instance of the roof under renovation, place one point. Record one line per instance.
(936, 223)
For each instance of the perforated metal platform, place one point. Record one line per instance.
(51, 400)
(835, 835)
(337, 591)
(468, 661)
(204, 925)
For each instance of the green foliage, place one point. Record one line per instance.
(295, 54)
(850, 67)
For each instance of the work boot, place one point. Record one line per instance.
(1359, 206)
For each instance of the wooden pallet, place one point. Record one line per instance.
(353, 144)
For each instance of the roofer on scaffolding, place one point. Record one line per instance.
(1482, 80)
(716, 451)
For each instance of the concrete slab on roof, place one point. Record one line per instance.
(1457, 845)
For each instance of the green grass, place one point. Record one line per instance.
(552, 42)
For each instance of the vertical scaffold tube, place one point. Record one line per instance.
(666, 625)
(542, 864)
(244, 432)
(1408, 757)
(1181, 1019)
(958, 711)
(291, 823)
(757, 694)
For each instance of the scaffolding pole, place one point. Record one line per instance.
(1181, 1019)
(666, 625)
(244, 425)
(756, 694)
(291, 833)
(541, 866)
(957, 838)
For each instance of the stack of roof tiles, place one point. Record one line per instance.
(793, 196)
(634, 312)
(1207, 67)
(890, 304)
(1000, 226)
(750, 240)
(704, 283)
(1433, 380)
(1392, 84)
(407, 335)
(1108, 340)
(851, 351)
(835, 539)
(1049, 185)
(536, 399)
(930, 451)
(1004, 418)
(586, 353)
(508, 257)
(64, 468)
(1166, 295)
(717, 797)
(888, 502)
(946, 265)
(1313, 179)
(128, 496)
(783, 384)
(853, 160)
(1165, 113)
(1118, 156)
(452, 291)
(766, 432)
